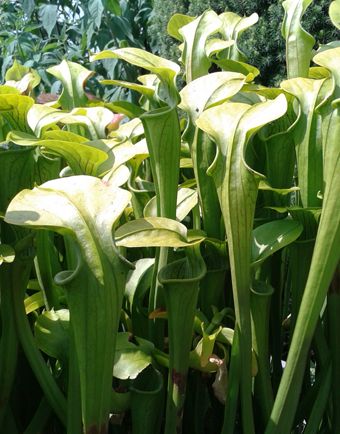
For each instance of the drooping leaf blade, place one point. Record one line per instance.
(186, 200)
(83, 159)
(166, 70)
(273, 236)
(158, 231)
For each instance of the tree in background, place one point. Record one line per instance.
(262, 43)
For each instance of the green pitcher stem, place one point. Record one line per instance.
(333, 307)
(40, 418)
(320, 402)
(147, 401)
(163, 137)
(202, 154)
(181, 285)
(156, 298)
(324, 262)
(233, 389)
(52, 392)
(9, 339)
(300, 258)
(100, 304)
(10, 423)
(44, 270)
(260, 308)
(74, 416)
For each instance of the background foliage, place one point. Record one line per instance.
(262, 43)
(40, 34)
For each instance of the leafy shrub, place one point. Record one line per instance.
(40, 34)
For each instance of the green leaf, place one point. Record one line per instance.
(209, 90)
(5, 90)
(41, 116)
(129, 130)
(329, 59)
(156, 232)
(143, 268)
(126, 108)
(186, 200)
(21, 77)
(180, 280)
(113, 6)
(144, 90)
(195, 35)
(309, 218)
(236, 66)
(215, 45)
(28, 7)
(232, 28)
(138, 284)
(14, 109)
(52, 333)
(7, 254)
(198, 95)
(162, 133)
(48, 17)
(273, 236)
(81, 157)
(237, 187)
(299, 43)
(278, 160)
(176, 22)
(95, 119)
(12, 163)
(96, 10)
(200, 355)
(334, 13)
(74, 206)
(85, 209)
(243, 121)
(131, 359)
(73, 77)
(263, 185)
(166, 70)
(306, 134)
(325, 260)
(27, 83)
(34, 302)
(318, 72)
(119, 153)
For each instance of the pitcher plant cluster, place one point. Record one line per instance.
(174, 268)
